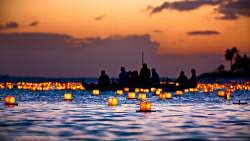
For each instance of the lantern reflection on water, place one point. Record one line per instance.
(145, 106)
(227, 96)
(142, 96)
(112, 101)
(68, 96)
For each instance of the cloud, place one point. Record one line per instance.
(157, 31)
(98, 18)
(183, 5)
(207, 32)
(233, 9)
(229, 8)
(33, 41)
(33, 23)
(9, 25)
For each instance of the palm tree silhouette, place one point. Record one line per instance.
(230, 55)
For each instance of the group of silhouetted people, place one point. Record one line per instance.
(145, 78)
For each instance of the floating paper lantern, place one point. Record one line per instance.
(191, 89)
(160, 90)
(95, 92)
(126, 89)
(211, 90)
(245, 88)
(9, 100)
(131, 95)
(205, 90)
(146, 90)
(196, 90)
(221, 93)
(141, 90)
(218, 87)
(186, 90)
(119, 92)
(142, 96)
(152, 89)
(145, 106)
(177, 84)
(137, 90)
(157, 92)
(161, 96)
(112, 101)
(179, 93)
(228, 93)
(168, 95)
(67, 96)
(227, 96)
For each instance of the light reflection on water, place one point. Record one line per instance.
(44, 115)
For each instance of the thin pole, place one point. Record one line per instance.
(142, 58)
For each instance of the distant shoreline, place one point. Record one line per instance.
(226, 74)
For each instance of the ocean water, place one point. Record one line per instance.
(45, 115)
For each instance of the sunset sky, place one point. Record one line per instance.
(79, 38)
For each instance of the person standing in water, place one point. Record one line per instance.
(104, 79)
(193, 81)
(182, 80)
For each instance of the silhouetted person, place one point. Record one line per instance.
(104, 79)
(155, 77)
(193, 81)
(144, 74)
(182, 80)
(123, 76)
(134, 78)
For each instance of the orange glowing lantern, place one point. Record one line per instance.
(227, 96)
(179, 93)
(176, 84)
(131, 95)
(119, 92)
(186, 90)
(146, 90)
(245, 88)
(145, 106)
(126, 89)
(95, 92)
(152, 89)
(137, 90)
(141, 90)
(227, 93)
(168, 95)
(142, 96)
(68, 96)
(160, 90)
(191, 89)
(221, 93)
(157, 92)
(161, 96)
(205, 90)
(112, 101)
(9, 100)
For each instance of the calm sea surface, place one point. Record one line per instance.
(44, 115)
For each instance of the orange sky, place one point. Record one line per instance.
(125, 17)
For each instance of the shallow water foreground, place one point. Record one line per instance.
(44, 115)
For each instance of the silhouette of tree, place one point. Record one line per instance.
(221, 68)
(230, 55)
(242, 64)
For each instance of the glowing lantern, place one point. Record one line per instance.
(157, 92)
(126, 89)
(177, 84)
(152, 89)
(245, 88)
(227, 96)
(119, 92)
(221, 93)
(131, 95)
(196, 90)
(112, 102)
(95, 92)
(67, 96)
(191, 89)
(160, 90)
(205, 90)
(186, 90)
(9, 100)
(179, 93)
(217, 87)
(141, 90)
(228, 93)
(137, 90)
(145, 106)
(146, 90)
(211, 90)
(161, 96)
(142, 96)
(168, 95)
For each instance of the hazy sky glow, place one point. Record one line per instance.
(79, 38)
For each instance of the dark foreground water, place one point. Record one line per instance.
(44, 115)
